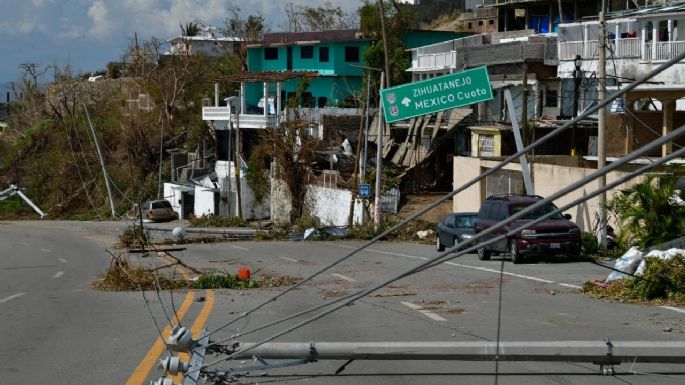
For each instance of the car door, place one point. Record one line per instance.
(444, 230)
(483, 221)
(501, 213)
(450, 230)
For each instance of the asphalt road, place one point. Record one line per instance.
(55, 329)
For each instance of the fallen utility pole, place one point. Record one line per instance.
(14, 190)
(672, 352)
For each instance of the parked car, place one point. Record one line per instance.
(556, 235)
(455, 228)
(159, 211)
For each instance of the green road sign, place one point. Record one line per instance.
(436, 94)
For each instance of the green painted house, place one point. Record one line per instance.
(332, 54)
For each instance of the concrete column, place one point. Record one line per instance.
(266, 100)
(279, 102)
(655, 37)
(643, 41)
(667, 107)
(670, 29)
(242, 98)
(616, 44)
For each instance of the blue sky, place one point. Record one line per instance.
(86, 34)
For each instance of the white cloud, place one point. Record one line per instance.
(101, 25)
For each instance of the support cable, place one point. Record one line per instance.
(468, 184)
(499, 319)
(445, 255)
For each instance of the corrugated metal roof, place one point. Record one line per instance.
(678, 6)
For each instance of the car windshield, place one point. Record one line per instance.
(161, 205)
(537, 213)
(465, 221)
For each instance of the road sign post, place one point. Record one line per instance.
(436, 94)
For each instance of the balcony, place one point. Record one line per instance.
(623, 49)
(244, 120)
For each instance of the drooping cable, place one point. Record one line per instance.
(445, 255)
(490, 171)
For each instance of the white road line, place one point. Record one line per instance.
(348, 279)
(536, 279)
(664, 307)
(11, 297)
(239, 248)
(23, 243)
(46, 250)
(289, 259)
(62, 260)
(421, 310)
(58, 274)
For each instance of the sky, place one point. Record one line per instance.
(87, 34)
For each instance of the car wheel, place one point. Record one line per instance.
(483, 254)
(516, 257)
(438, 245)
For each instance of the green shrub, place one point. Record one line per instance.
(662, 279)
(589, 243)
(217, 221)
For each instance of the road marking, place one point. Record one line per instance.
(423, 311)
(240, 248)
(62, 260)
(141, 372)
(11, 297)
(536, 279)
(58, 274)
(290, 259)
(348, 279)
(46, 250)
(23, 243)
(196, 329)
(664, 307)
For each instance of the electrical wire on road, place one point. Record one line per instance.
(468, 184)
(445, 255)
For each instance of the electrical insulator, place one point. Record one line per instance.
(173, 366)
(181, 340)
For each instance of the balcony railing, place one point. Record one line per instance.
(623, 49)
(246, 120)
(437, 60)
(667, 50)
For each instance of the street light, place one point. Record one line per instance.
(577, 76)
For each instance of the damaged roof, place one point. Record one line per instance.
(277, 38)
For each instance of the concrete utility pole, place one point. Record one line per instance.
(379, 160)
(601, 129)
(381, 8)
(99, 153)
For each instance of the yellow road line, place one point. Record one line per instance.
(197, 327)
(143, 370)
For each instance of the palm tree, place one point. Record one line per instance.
(650, 211)
(190, 29)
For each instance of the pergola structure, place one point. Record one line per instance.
(219, 113)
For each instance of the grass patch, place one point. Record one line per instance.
(121, 276)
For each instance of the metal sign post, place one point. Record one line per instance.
(436, 94)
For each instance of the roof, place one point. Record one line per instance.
(227, 39)
(276, 38)
(673, 7)
(266, 76)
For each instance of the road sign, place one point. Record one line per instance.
(364, 190)
(436, 94)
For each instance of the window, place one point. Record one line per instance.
(306, 52)
(307, 100)
(551, 98)
(470, 25)
(270, 53)
(480, 22)
(322, 101)
(491, 21)
(323, 54)
(352, 54)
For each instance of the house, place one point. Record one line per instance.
(638, 41)
(207, 41)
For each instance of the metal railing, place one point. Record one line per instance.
(667, 50)
(623, 48)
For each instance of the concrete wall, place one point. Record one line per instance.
(547, 179)
(204, 201)
(330, 205)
